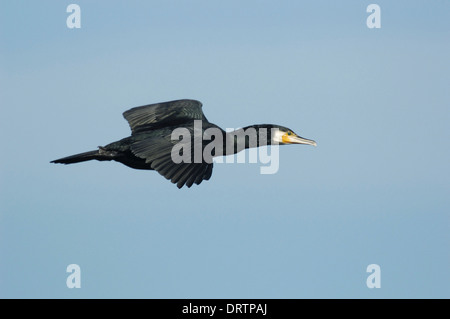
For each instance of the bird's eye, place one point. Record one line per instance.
(289, 133)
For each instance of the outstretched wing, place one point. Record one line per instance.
(157, 151)
(158, 115)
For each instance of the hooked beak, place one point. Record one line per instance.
(295, 139)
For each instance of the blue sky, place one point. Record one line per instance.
(374, 190)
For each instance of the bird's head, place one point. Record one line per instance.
(283, 135)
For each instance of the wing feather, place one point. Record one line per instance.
(147, 117)
(157, 152)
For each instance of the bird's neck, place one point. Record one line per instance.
(247, 137)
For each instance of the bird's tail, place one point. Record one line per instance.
(83, 157)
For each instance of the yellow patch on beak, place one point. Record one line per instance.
(286, 138)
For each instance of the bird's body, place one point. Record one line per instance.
(153, 140)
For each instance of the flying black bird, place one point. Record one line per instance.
(151, 144)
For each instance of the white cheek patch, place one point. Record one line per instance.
(277, 136)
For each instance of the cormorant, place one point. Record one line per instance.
(151, 143)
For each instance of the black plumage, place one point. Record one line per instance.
(150, 145)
